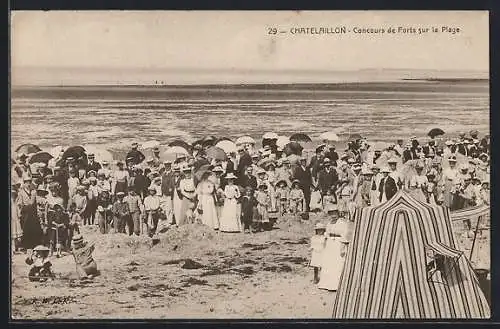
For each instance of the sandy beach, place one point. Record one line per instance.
(192, 272)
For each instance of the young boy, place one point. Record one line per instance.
(151, 211)
(136, 208)
(121, 212)
(296, 198)
(317, 245)
(247, 204)
(282, 195)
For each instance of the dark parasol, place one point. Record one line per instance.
(293, 148)
(299, 137)
(435, 132)
(42, 156)
(28, 148)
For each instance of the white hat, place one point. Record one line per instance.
(386, 170)
(231, 176)
(448, 143)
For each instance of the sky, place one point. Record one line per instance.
(48, 43)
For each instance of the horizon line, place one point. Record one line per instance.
(245, 69)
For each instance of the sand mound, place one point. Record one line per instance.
(174, 238)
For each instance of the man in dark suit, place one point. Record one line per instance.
(327, 177)
(248, 179)
(244, 162)
(387, 186)
(303, 174)
(135, 155)
(92, 164)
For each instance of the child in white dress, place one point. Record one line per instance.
(317, 245)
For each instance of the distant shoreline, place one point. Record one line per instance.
(257, 86)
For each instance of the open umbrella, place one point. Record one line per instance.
(227, 145)
(43, 157)
(75, 152)
(28, 148)
(220, 139)
(198, 174)
(282, 141)
(270, 135)
(177, 150)
(245, 140)
(435, 132)
(293, 148)
(216, 153)
(181, 143)
(150, 144)
(100, 153)
(354, 137)
(299, 137)
(380, 146)
(329, 136)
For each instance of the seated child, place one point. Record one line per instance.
(317, 245)
(282, 195)
(41, 269)
(86, 266)
(296, 198)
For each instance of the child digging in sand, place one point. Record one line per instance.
(86, 266)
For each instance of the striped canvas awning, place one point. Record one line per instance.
(444, 250)
(471, 213)
(386, 274)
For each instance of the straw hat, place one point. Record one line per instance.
(231, 176)
(118, 194)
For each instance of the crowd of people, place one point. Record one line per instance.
(243, 191)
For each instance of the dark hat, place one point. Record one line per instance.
(135, 145)
(91, 155)
(156, 150)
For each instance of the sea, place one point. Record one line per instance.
(113, 116)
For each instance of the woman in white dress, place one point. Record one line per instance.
(182, 198)
(418, 183)
(206, 202)
(333, 255)
(229, 221)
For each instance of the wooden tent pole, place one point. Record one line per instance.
(475, 235)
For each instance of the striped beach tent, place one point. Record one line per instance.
(403, 262)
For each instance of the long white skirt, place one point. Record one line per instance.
(209, 216)
(229, 220)
(332, 264)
